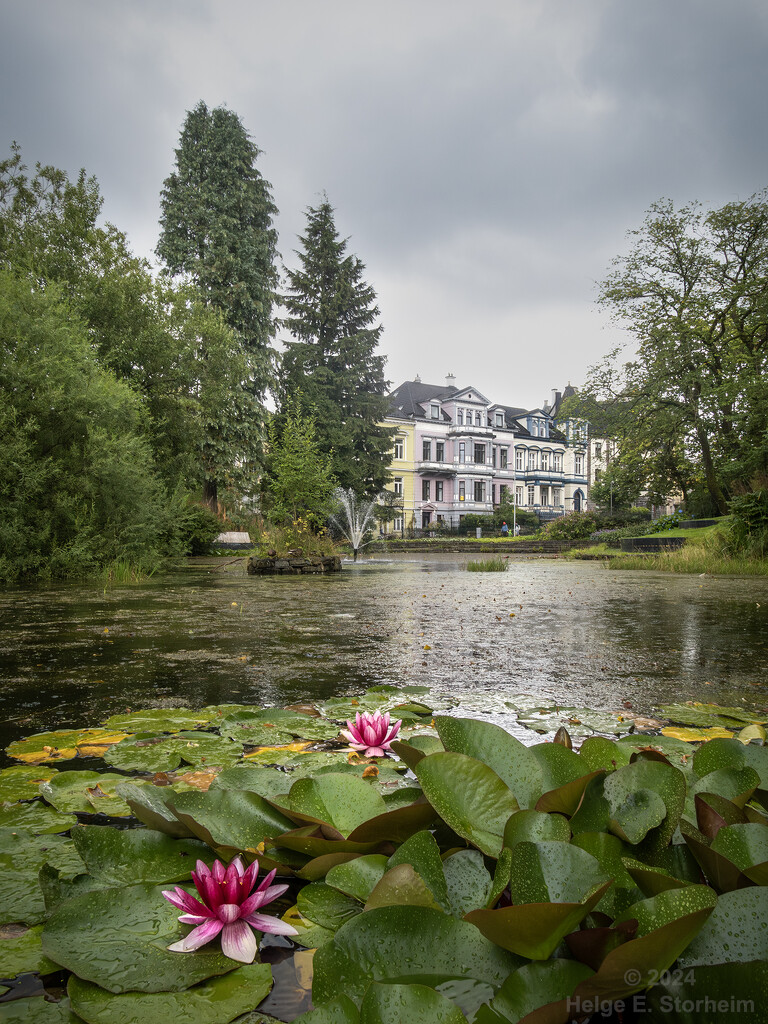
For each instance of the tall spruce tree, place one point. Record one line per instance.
(216, 230)
(332, 360)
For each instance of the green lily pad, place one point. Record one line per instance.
(86, 793)
(609, 852)
(160, 720)
(22, 782)
(553, 872)
(735, 932)
(401, 886)
(511, 760)
(743, 845)
(531, 987)
(21, 857)
(216, 1001)
(326, 906)
(654, 913)
(697, 713)
(21, 951)
(422, 853)
(578, 721)
(337, 1011)
(650, 880)
(659, 778)
(119, 938)
(639, 812)
(150, 805)
(719, 754)
(56, 888)
(358, 877)
(39, 1010)
(597, 753)
(725, 992)
(417, 1004)
(272, 726)
(126, 856)
(340, 800)
(469, 796)
(164, 753)
(405, 945)
(35, 817)
(535, 826)
(467, 881)
(229, 818)
(255, 778)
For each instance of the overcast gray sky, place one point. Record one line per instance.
(485, 159)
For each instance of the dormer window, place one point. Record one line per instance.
(535, 428)
(499, 419)
(434, 411)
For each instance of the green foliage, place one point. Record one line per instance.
(692, 291)
(573, 526)
(198, 527)
(332, 360)
(509, 877)
(300, 479)
(664, 523)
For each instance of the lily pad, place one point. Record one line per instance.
(125, 856)
(403, 945)
(46, 747)
(21, 857)
(725, 991)
(163, 753)
(417, 1004)
(402, 886)
(150, 805)
(707, 715)
(358, 877)
(36, 817)
(691, 735)
(422, 853)
(39, 1010)
(229, 818)
(21, 951)
(578, 721)
(735, 932)
(86, 793)
(469, 796)
(118, 938)
(22, 782)
(535, 826)
(340, 800)
(719, 754)
(746, 846)
(326, 906)
(161, 720)
(467, 881)
(531, 987)
(216, 1001)
(273, 726)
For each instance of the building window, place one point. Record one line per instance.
(519, 456)
(478, 420)
(460, 417)
(543, 431)
(499, 419)
(533, 460)
(440, 451)
(426, 451)
(425, 490)
(462, 490)
(598, 451)
(462, 451)
(579, 467)
(545, 460)
(534, 428)
(531, 494)
(557, 463)
(397, 485)
(544, 495)
(438, 490)
(400, 448)
(502, 493)
(598, 474)
(479, 490)
(479, 453)
(503, 453)
(397, 524)
(435, 412)
(556, 496)
(518, 495)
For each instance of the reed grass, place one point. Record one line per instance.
(495, 564)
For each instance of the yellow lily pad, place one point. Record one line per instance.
(263, 753)
(45, 747)
(97, 745)
(691, 735)
(752, 732)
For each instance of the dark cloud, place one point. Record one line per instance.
(485, 161)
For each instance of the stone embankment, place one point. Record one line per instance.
(292, 565)
(517, 547)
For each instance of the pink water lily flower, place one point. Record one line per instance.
(228, 907)
(371, 734)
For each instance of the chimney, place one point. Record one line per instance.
(450, 381)
(417, 379)
(556, 396)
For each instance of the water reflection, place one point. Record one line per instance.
(572, 632)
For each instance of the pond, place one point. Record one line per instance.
(570, 632)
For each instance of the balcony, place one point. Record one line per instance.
(457, 430)
(430, 466)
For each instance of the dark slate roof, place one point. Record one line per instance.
(406, 400)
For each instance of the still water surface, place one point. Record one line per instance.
(580, 634)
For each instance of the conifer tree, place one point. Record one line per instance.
(216, 231)
(332, 316)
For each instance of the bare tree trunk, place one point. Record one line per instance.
(211, 494)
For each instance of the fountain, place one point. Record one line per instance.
(354, 518)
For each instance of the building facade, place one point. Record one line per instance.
(455, 451)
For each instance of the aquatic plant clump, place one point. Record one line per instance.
(470, 877)
(498, 563)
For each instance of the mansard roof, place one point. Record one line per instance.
(406, 400)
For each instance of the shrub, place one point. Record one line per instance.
(573, 526)
(664, 523)
(198, 527)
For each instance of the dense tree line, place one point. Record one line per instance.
(131, 402)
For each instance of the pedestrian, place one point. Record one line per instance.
(517, 531)
(504, 530)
